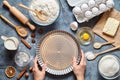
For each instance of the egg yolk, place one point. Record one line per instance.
(86, 36)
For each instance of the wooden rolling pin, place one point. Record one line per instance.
(19, 15)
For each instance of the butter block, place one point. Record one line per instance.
(111, 27)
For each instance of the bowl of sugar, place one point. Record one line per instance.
(109, 67)
(49, 11)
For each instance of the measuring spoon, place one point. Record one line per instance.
(19, 29)
(39, 14)
(98, 45)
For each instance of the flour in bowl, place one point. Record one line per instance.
(50, 8)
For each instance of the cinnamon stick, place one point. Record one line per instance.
(25, 43)
(21, 73)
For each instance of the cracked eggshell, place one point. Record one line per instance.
(102, 7)
(74, 26)
(95, 10)
(84, 7)
(88, 14)
(91, 3)
(76, 10)
(110, 3)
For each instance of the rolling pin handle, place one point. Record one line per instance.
(6, 4)
(32, 27)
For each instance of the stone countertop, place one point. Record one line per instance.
(62, 23)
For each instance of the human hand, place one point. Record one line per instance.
(79, 69)
(38, 75)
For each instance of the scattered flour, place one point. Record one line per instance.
(89, 55)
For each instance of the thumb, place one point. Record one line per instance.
(44, 67)
(35, 64)
(74, 61)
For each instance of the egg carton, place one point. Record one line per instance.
(84, 10)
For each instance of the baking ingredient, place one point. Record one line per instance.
(50, 8)
(10, 71)
(40, 31)
(109, 65)
(26, 43)
(10, 44)
(98, 1)
(23, 56)
(22, 59)
(33, 40)
(21, 73)
(90, 8)
(33, 35)
(102, 7)
(110, 3)
(91, 3)
(30, 69)
(74, 26)
(95, 10)
(26, 75)
(85, 36)
(88, 14)
(111, 26)
(77, 11)
(97, 45)
(89, 55)
(84, 7)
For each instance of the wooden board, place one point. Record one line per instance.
(100, 24)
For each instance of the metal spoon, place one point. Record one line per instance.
(19, 29)
(39, 14)
(98, 45)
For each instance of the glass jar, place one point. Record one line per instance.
(22, 58)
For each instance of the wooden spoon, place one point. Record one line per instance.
(19, 29)
(103, 52)
(39, 14)
(98, 45)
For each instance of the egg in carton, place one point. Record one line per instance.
(85, 10)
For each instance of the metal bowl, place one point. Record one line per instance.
(57, 48)
(36, 20)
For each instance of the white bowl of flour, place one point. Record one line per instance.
(109, 66)
(51, 8)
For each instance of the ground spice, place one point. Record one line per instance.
(26, 75)
(33, 40)
(40, 31)
(33, 35)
